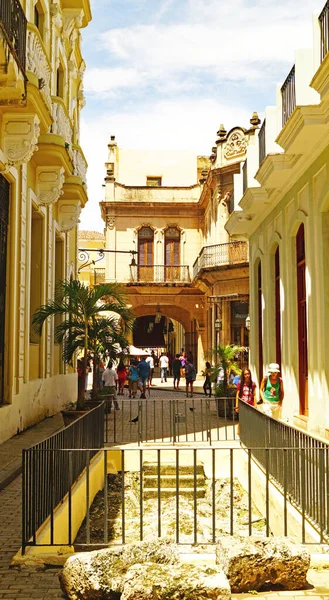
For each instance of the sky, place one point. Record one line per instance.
(164, 74)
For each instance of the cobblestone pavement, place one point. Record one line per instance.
(20, 583)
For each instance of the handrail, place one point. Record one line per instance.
(324, 30)
(288, 92)
(218, 255)
(13, 23)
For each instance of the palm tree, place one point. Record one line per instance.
(224, 356)
(80, 307)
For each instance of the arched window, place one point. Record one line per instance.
(260, 321)
(277, 306)
(172, 254)
(145, 254)
(302, 322)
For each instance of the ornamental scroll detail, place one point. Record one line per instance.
(236, 144)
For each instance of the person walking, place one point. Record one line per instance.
(143, 369)
(176, 367)
(246, 392)
(163, 367)
(110, 377)
(190, 375)
(150, 361)
(122, 373)
(133, 378)
(272, 392)
(207, 381)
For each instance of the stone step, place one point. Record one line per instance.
(169, 481)
(150, 468)
(167, 492)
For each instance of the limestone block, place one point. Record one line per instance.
(250, 563)
(99, 574)
(151, 581)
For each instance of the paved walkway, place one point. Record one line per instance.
(24, 583)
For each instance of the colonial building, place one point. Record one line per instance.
(165, 213)
(42, 190)
(283, 210)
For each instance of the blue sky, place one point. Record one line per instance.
(166, 73)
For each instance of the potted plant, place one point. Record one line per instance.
(80, 308)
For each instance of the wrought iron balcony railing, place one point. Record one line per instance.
(324, 30)
(160, 274)
(262, 142)
(288, 92)
(221, 255)
(13, 26)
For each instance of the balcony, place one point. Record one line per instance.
(324, 30)
(13, 27)
(62, 125)
(12, 53)
(153, 274)
(288, 92)
(221, 255)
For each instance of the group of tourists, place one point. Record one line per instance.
(271, 391)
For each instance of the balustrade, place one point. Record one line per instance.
(288, 92)
(37, 63)
(220, 255)
(324, 30)
(13, 24)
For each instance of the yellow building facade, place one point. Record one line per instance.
(165, 241)
(283, 210)
(43, 188)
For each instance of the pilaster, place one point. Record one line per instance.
(110, 235)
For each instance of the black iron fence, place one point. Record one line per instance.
(220, 255)
(184, 420)
(13, 24)
(191, 496)
(262, 142)
(51, 467)
(288, 93)
(298, 462)
(160, 274)
(324, 30)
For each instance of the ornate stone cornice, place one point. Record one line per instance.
(19, 134)
(49, 183)
(73, 18)
(68, 214)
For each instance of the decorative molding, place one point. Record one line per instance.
(79, 165)
(236, 144)
(37, 63)
(61, 125)
(73, 18)
(49, 183)
(19, 133)
(110, 223)
(68, 214)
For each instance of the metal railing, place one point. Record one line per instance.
(159, 421)
(191, 496)
(288, 93)
(245, 176)
(13, 24)
(262, 142)
(221, 255)
(324, 30)
(50, 468)
(160, 274)
(298, 462)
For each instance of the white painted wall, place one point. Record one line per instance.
(176, 167)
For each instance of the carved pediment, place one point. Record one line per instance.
(236, 144)
(19, 135)
(68, 214)
(49, 184)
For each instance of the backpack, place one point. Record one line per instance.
(190, 371)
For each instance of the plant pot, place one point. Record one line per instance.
(72, 415)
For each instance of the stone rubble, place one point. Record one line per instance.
(250, 563)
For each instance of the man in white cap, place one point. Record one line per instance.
(271, 392)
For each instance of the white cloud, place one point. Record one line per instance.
(190, 124)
